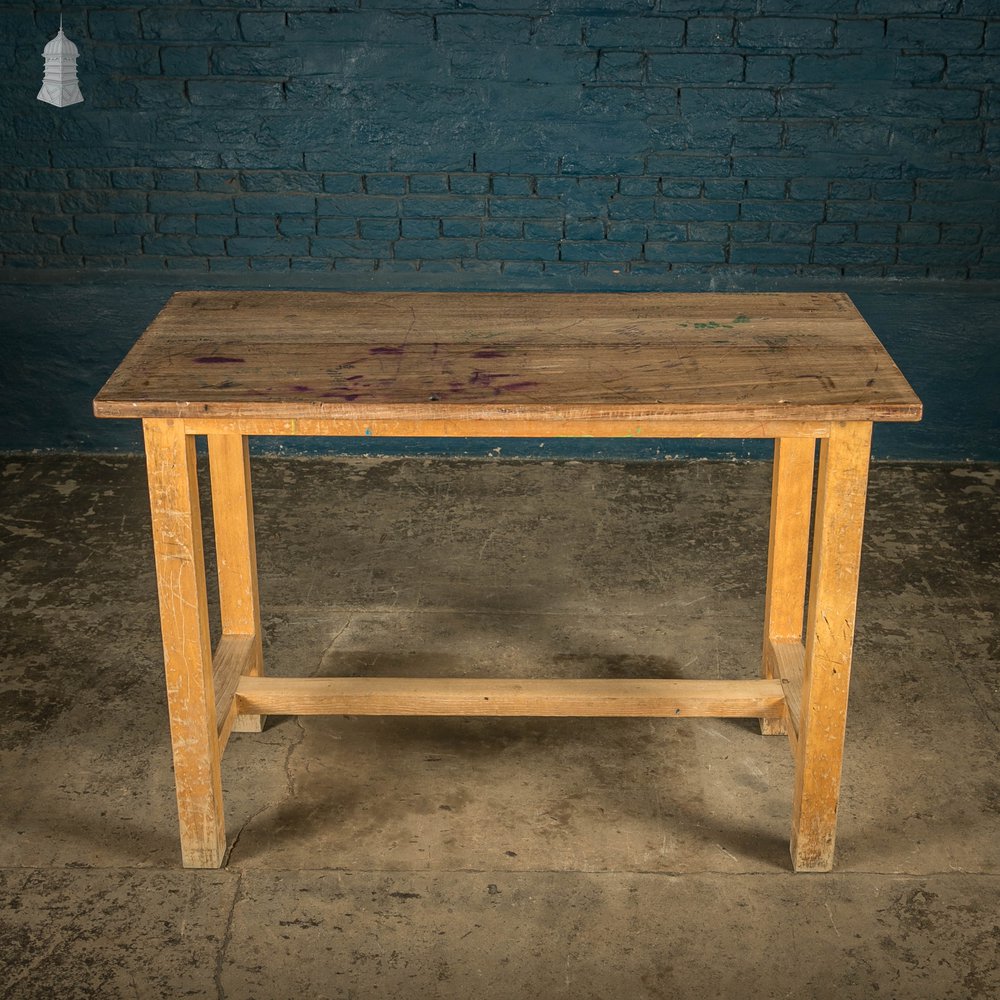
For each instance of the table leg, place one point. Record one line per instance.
(232, 508)
(171, 467)
(833, 588)
(788, 551)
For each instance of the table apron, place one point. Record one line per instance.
(511, 427)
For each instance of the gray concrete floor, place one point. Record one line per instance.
(498, 858)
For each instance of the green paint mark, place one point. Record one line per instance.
(712, 325)
(742, 319)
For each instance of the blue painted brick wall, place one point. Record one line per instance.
(856, 138)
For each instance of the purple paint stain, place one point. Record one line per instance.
(486, 378)
(301, 388)
(353, 378)
(346, 397)
(386, 350)
(489, 354)
(215, 359)
(515, 386)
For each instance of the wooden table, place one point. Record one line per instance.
(798, 368)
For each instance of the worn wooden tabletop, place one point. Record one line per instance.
(365, 355)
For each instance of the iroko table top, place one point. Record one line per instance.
(467, 356)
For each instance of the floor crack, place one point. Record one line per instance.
(292, 747)
(328, 649)
(227, 937)
(239, 833)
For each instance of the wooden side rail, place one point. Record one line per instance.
(234, 657)
(507, 697)
(649, 426)
(787, 658)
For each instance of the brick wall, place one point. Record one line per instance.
(570, 138)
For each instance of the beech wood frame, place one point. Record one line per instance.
(808, 628)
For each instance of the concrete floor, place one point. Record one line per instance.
(498, 858)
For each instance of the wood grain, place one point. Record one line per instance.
(786, 659)
(788, 548)
(505, 697)
(187, 656)
(460, 356)
(635, 427)
(234, 657)
(829, 640)
(458, 316)
(236, 552)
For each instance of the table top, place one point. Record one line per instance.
(424, 355)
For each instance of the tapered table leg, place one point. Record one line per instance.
(180, 575)
(829, 639)
(232, 510)
(788, 551)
